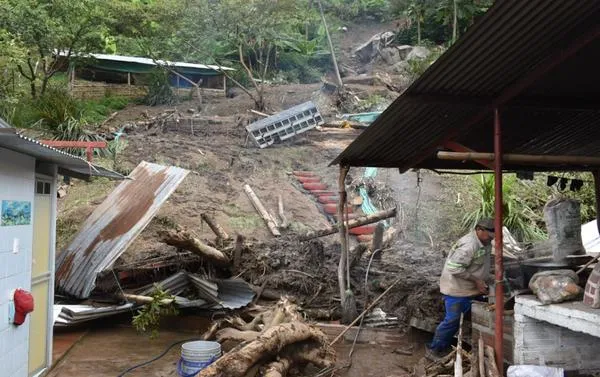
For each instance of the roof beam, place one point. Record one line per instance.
(456, 147)
(514, 90)
(533, 102)
(525, 159)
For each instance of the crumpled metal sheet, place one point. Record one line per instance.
(114, 225)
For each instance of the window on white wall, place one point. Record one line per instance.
(42, 187)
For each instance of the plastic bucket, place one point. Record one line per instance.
(196, 356)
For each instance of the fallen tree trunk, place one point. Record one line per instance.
(270, 342)
(278, 368)
(187, 241)
(271, 223)
(215, 227)
(359, 221)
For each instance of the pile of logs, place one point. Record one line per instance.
(273, 343)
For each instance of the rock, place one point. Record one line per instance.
(418, 52)
(232, 92)
(403, 51)
(400, 67)
(369, 50)
(554, 286)
(390, 55)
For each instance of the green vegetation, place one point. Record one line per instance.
(524, 202)
(148, 317)
(278, 41)
(519, 218)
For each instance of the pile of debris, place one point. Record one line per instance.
(274, 341)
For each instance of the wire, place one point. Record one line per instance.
(156, 358)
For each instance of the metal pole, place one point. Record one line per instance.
(499, 267)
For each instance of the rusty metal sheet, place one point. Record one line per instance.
(113, 226)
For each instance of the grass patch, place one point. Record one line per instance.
(240, 221)
(86, 193)
(96, 111)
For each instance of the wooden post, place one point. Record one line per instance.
(342, 230)
(215, 227)
(237, 251)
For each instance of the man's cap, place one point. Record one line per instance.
(23, 305)
(486, 224)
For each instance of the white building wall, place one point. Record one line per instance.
(17, 180)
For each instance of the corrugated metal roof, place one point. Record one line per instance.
(146, 61)
(113, 225)
(67, 164)
(555, 113)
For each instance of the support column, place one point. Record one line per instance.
(499, 266)
(596, 174)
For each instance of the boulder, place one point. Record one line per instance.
(403, 51)
(418, 52)
(390, 55)
(369, 50)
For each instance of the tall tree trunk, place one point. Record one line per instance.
(455, 23)
(418, 32)
(335, 65)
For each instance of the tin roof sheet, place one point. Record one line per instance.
(555, 113)
(68, 164)
(113, 225)
(147, 61)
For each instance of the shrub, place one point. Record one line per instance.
(159, 90)
(519, 218)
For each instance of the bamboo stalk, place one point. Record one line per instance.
(521, 158)
(458, 368)
(364, 220)
(271, 224)
(492, 360)
(481, 357)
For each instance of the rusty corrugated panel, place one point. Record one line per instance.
(112, 226)
(512, 40)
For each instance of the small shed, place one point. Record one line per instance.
(28, 175)
(98, 75)
(517, 92)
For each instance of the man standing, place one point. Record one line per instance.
(463, 280)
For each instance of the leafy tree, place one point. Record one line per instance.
(43, 27)
(415, 11)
